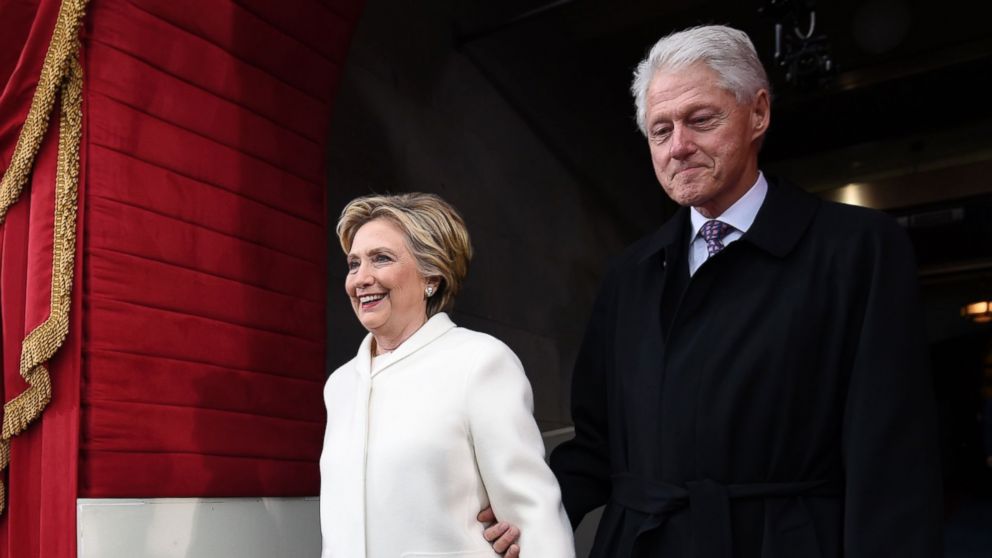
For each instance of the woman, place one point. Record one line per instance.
(430, 422)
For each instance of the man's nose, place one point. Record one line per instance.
(681, 145)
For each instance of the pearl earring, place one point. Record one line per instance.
(429, 291)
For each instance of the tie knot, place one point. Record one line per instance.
(713, 232)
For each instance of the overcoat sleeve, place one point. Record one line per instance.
(582, 464)
(510, 454)
(893, 503)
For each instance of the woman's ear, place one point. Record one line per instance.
(432, 286)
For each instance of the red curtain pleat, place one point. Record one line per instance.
(195, 357)
(205, 247)
(41, 480)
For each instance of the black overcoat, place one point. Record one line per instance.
(777, 404)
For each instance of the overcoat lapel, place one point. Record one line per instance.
(640, 334)
(783, 218)
(640, 346)
(435, 327)
(778, 227)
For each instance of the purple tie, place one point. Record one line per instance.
(713, 232)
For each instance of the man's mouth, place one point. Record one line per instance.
(684, 169)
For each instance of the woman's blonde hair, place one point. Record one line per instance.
(434, 231)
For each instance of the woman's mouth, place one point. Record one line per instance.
(369, 301)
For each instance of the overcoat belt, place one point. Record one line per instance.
(708, 503)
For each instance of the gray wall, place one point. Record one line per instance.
(414, 114)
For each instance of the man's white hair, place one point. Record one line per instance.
(727, 51)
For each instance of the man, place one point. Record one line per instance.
(752, 379)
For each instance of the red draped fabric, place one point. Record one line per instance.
(195, 355)
(41, 478)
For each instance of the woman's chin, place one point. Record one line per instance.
(371, 322)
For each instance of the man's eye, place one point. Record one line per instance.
(703, 120)
(660, 134)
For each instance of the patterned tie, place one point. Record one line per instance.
(713, 232)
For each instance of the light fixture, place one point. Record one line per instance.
(803, 54)
(978, 312)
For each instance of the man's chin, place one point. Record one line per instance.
(687, 195)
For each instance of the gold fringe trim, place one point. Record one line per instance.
(61, 74)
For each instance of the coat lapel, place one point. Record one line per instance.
(435, 327)
(363, 360)
(640, 346)
(640, 331)
(780, 224)
(783, 218)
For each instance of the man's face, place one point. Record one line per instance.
(704, 145)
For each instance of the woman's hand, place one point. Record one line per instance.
(501, 535)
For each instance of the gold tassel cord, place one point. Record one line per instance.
(41, 344)
(61, 75)
(61, 50)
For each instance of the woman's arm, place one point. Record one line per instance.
(510, 454)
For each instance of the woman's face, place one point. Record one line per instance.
(383, 283)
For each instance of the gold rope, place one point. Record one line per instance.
(61, 74)
(63, 48)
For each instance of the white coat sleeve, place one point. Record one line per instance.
(510, 454)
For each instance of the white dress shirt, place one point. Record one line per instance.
(740, 216)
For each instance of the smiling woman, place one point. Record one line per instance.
(386, 289)
(407, 257)
(417, 440)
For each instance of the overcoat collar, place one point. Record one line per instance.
(666, 237)
(435, 327)
(782, 220)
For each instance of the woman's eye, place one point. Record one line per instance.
(353, 265)
(381, 258)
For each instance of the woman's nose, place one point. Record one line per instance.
(362, 276)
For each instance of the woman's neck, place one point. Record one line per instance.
(383, 343)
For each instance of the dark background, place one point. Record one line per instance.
(519, 113)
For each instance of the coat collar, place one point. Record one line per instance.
(435, 327)
(781, 221)
(665, 238)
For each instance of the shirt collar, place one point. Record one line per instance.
(740, 215)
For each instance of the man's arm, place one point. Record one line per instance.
(893, 503)
(582, 464)
(509, 454)
(501, 535)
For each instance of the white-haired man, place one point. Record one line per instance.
(752, 382)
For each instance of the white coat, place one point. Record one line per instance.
(418, 441)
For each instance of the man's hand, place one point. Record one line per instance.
(501, 535)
